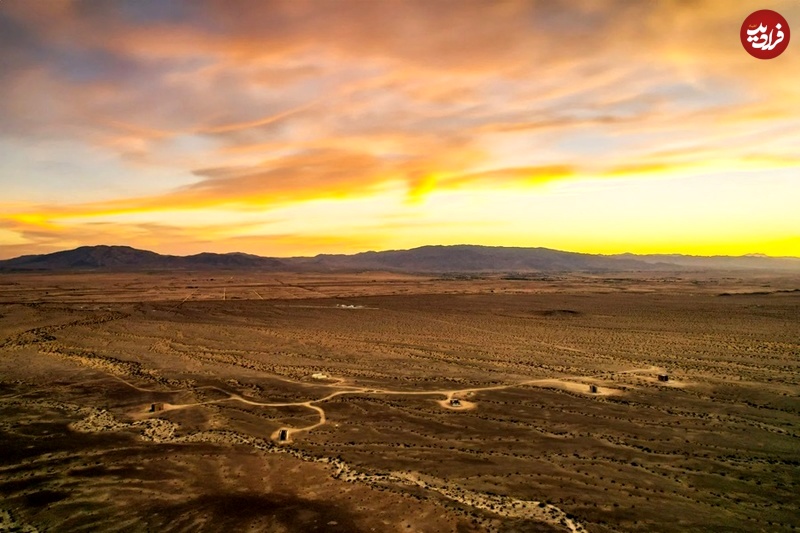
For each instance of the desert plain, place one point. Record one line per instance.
(246, 401)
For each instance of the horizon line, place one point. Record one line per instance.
(754, 255)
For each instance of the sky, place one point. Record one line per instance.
(314, 126)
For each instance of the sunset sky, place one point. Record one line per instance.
(305, 127)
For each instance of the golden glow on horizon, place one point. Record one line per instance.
(579, 214)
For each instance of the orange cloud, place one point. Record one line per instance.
(259, 122)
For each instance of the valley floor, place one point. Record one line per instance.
(377, 402)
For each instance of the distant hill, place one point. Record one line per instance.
(426, 259)
(469, 258)
(722, 262)
(127, 258)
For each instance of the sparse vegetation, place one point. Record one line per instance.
(528, 448)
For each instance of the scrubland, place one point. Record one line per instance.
(154, 401)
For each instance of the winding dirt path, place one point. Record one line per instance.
(161, 430)
(567, 383)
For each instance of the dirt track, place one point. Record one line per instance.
(449, 394)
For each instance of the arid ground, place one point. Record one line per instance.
(157, 402)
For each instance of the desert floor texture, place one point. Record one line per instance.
(157, 402)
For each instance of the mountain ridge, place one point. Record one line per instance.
(129, 258)
(423, 259)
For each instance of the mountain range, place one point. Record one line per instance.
(425, 259)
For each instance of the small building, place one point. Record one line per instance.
(283, 435)
(156, 407)
(455, 402)
(593, 389)
(663, 377)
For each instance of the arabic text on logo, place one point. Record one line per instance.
(765, 34)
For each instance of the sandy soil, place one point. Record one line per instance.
(375, 444)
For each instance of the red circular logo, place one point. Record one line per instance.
(765, 34)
